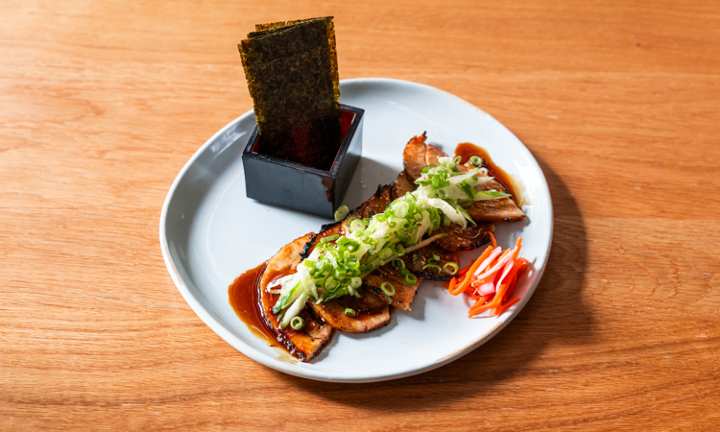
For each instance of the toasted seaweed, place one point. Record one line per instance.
(292, 75)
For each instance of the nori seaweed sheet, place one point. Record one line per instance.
(292, 74)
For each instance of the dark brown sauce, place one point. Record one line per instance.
(467, 150)
(243, 295)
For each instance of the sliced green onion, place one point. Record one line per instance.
(432, 266)
(385, 253)
(297, 323)
(404, 272)
(356, 225)
(475, 160)
(388, 291)
(341, 212)
(399, 249)
(398, 263)
(457, 159)
(349, 312)
(436, 257)
(356, 282)
(329, 239)
(410, 279)
(330, 284)
(452, 265)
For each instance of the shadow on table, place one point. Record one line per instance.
(555, 315)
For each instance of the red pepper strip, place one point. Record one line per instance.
(466, 282)
(492, 239)
(507, 305)
(451, 284)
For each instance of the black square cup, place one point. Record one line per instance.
(299, 187)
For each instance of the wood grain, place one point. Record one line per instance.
(103, 102)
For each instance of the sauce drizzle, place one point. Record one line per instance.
(243, 296)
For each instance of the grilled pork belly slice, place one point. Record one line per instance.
(401, 186)
(501, 210)
(416, 260)
(307, 342)
(469, 238)
(433, 154)
(414, 157)
(376, 204)
(370, 313)
(404, 293)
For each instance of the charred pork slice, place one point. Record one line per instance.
(370, 312)
(464, 239)
(500, 210)
(308, 341)
(404, 293)
(414, 157)
(428, 256)
(401, 186)
(433, 154)
(374, 205)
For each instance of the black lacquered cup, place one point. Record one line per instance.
(295, 186)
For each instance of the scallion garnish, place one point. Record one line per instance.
(410, 279)
(329, 238)
(453, 266)
(432, 266)
(341, 212)
(349, 312)
(297, 323)
(475, 160)
(388, 288)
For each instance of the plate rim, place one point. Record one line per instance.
(285, 367)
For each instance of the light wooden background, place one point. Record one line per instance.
(102, 102)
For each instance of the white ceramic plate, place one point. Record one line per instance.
(210, 233)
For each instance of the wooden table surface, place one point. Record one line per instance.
(104, 101)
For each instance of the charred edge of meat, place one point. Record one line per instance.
(378, 192)
(433, 276)
(470, 247)
(424, 134)
(308, 246)
(329, 226)
(482, 242)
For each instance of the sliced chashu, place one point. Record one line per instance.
(404, 293)
(374, 205)
(401, 186)
(464, 239)
(370, 312)
(500, 210)
(308, 341)
(417, 261)
(414, 157)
